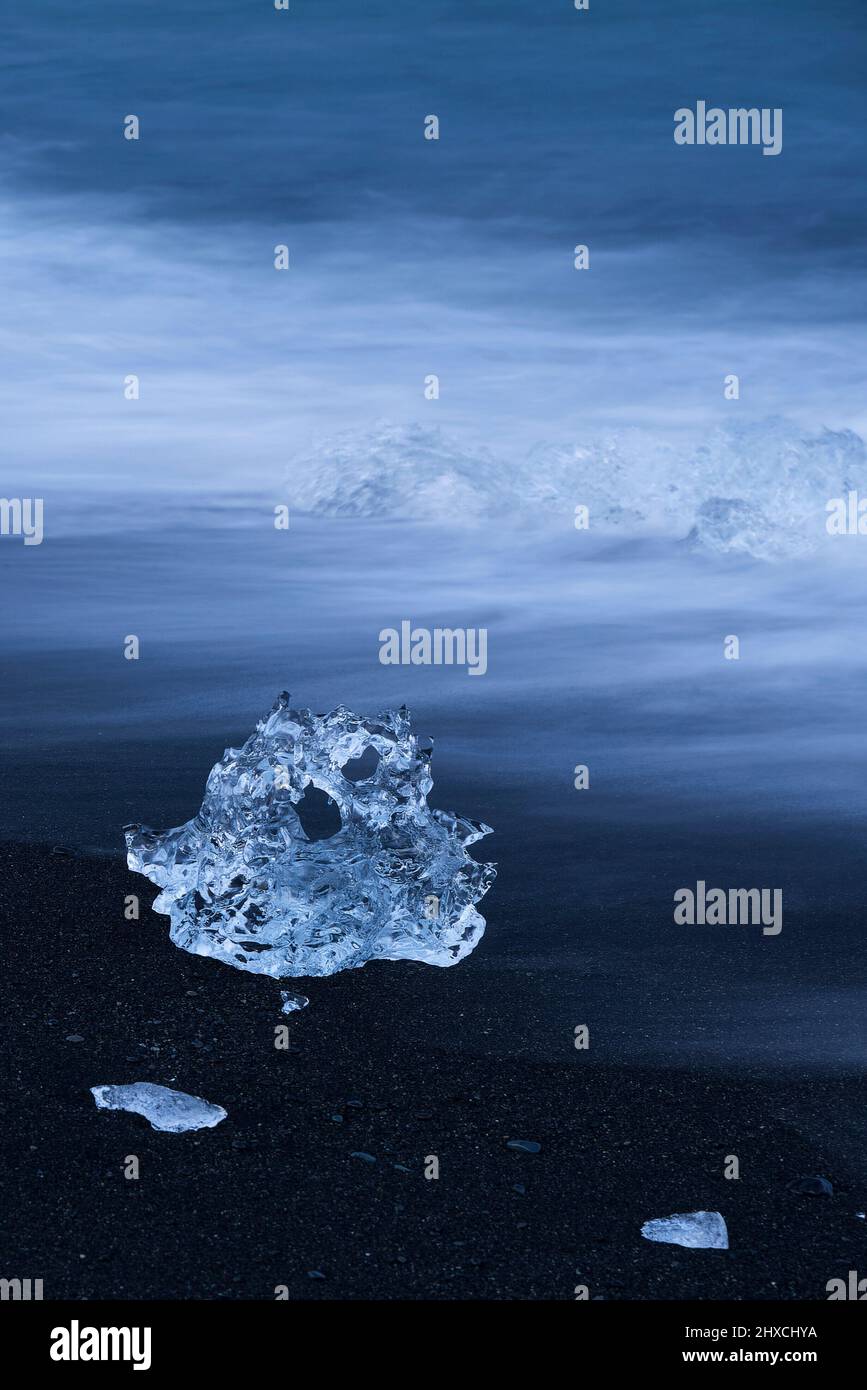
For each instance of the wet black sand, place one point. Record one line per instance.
(273, 1194)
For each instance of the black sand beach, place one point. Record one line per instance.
(436, 357)
(379, 1065)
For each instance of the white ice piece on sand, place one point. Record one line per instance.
(292, 1002)
(173, 1111)
(697, 1230)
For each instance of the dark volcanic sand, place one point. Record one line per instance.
(272, 1193)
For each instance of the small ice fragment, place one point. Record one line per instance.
(697, 1230)
(173, 1111)
(291, 1002)
(294, 867)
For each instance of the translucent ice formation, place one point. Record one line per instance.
(246, 882)
(697, 1230)
(169, 1110)
(292, 1002)
(726, 526)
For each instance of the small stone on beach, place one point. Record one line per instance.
(811, 1187)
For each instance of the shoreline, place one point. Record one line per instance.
(273, 1195)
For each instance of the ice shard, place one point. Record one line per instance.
(257, 880)
(292, 1002)
(697, 1230)
(173, 1111)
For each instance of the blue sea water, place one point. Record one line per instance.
(609, 654)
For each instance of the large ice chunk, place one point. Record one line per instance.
(697, 1230)
(166, 1109)
(246, 882)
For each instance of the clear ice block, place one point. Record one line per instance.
(248, 882)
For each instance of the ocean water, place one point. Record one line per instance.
(605, 652)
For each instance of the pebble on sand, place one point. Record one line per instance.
(813, 1186)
